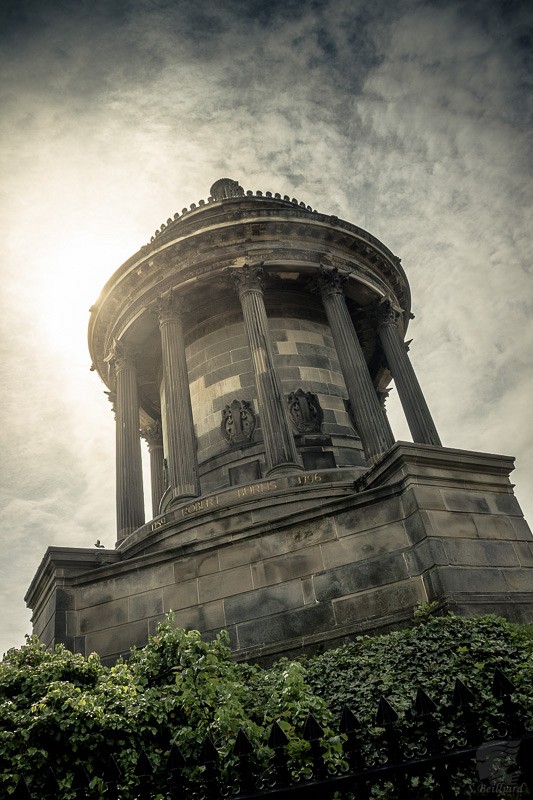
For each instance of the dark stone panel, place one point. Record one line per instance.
(105, 615)
(114, 641)
(308, 533)
(524, 551)
(451, 524)
(429, 497)
(370, 516)
(480, 552)
(219, 375)
(79, 645)
(304, 348)
(357, 577)
(261, 603)
(287, 566)
(493, 526)
(506, 504)
(225, 344)
(519, 580)
(215, 362)
(244, 473)
(427, 554)
(521, 529)
(350, 457)
(64, 599)
(220, 584)
(472, 579)
(465, 501)
(240, 354)
(364, 545)
(291, 374)
(149, 604)
(417, 527)
(318, 459)
(290, 625)
(203, 617)
(247, 380)
(379, 602)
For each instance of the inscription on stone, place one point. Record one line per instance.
(239, 493)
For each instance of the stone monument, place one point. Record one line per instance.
(251, 344)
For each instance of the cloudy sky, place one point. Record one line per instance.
(411, 119)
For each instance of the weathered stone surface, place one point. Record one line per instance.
(357, 577)
(524, 551)
(117, 640)
(285, 567)
(379, 603)
(367, 517)
(363, 545)
(180, 595)
(264, 602)
(489, 553)
(465, 501)
(285, 627)
(105, 615)
(452, 524)
(220, 584)
(146, 605)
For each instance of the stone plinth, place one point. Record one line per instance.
(303, 561)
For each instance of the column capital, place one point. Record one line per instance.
(153, 435)
(169, 308)
(121, 355)
(329, 281)
(250, 278)
(386, 312)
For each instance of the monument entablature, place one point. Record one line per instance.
(250, 345)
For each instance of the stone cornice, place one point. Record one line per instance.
(287, 213)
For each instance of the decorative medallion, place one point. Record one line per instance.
(238, 422)
(305, 411)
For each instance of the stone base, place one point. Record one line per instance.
(304, 561)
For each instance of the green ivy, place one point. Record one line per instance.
(60, 709)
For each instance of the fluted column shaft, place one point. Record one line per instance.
(414, 405)
(154, 438)
(369, 418)
(129, 480)
(280, 449)
(183, 476)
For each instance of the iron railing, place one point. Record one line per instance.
(413, 761)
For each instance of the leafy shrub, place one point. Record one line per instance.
(60, 709)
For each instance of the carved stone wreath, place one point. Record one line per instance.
(238, 422)
(305, 411)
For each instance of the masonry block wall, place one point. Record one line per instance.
(334, 563)
(220, 370)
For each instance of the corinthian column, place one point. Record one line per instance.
(154, 438)
(181, 455)
(369, 419)
(280, 449)
(413, 402)
(130, 500)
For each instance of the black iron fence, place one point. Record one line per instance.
(412, 761)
